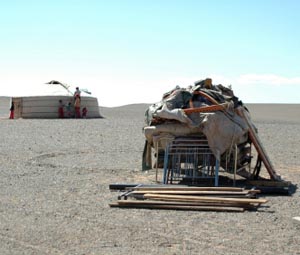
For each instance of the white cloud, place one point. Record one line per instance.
(116, 91)
(253, 88)
(267, 79)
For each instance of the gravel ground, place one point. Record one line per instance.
(54, 196)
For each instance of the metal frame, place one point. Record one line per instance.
(186, 147)
(192, 159)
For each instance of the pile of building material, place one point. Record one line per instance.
(225, 199)
(204, 115)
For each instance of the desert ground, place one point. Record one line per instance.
(54, 190)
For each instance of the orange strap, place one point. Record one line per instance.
(210, 108)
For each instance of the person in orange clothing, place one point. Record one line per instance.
(77, 92)
(12, 111)
(61, 109)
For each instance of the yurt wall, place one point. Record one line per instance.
(4, 106)
(46, 107)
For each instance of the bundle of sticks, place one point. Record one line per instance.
(229, 199)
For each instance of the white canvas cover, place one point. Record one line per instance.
(47, 106)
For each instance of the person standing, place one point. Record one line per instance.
(77, 92)
(12, 110)
(84, 112)
(69, 110)
(77, 106)
(61, 109)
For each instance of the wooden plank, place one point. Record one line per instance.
(191, 192)
(258, 145)
(203, 198)
(221, 203)
(172, 187)
(189, 203)
(210, 108)
(179, 207)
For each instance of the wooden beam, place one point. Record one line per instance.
(191, 192)
(210, 108)
(258, 144)
(206, 199)
(180, 188)
(189, 203)
(179, 207)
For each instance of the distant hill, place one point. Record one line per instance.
(128, 106)
(275, 112)
(124, 111)
(259, 112)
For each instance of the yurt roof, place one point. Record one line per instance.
(55, 88)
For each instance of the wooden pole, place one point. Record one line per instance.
(189, 203)
(258, 145)
(210, 108)
(187, 188)
(180, 207)
(192, 192)
(205, 199)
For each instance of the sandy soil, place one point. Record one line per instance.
(54, 196)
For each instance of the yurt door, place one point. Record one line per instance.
(18, 107)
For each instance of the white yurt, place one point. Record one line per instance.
(46, 106)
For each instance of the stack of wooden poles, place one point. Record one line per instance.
(229, 199)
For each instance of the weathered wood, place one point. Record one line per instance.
(179, 207)
(258, 145)
(191, 192)
(189, 203)
(210, 108)
(203, 198)
(209, 203)
(172, 187)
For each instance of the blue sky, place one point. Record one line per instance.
(133, 51)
